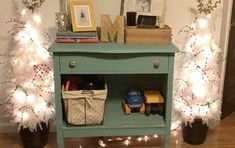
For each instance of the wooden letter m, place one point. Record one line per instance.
(110, 31)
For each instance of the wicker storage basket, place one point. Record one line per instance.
(84, 107)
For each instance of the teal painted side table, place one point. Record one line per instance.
(122, 66)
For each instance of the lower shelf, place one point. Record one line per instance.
(116, 123)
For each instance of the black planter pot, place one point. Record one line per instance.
(35, 139)
(195, 134)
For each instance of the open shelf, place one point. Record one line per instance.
(116, 122)
(115, 117)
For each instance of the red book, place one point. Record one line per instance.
(69, 40)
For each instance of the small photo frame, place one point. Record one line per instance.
(82, 15)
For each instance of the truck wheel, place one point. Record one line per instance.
(147, 109)
(142, 109)
(126, 108)
(161, 109)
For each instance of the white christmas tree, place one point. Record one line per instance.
(31, 99)
(196, 91)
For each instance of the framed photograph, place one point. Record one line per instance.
(82, 15)
(146, 7)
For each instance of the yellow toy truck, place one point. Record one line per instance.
(154, 102)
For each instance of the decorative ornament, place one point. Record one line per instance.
(207, 8)
(61, 21)
(32, 4)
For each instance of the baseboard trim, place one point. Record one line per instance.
(8, 128)
(12, 127)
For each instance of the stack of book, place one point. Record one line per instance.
(76, 37)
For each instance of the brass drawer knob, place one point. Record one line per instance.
(72, 64)
(156, 64)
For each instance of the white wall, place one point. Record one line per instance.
(226, 21)
(179, 13)
(182, 12)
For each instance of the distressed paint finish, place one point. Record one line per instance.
(134, 64)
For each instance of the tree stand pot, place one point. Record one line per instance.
(196, 133)
(35, 139)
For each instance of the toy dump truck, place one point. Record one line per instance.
(154, 102)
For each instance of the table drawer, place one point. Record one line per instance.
(113, 63)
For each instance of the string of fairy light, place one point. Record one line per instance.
(126, 141)
(17, 25)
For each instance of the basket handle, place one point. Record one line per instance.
(88, 92)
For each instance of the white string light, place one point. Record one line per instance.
(31, 101)
(127, 142)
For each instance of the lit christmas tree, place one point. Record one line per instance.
(31, 99)
(196, 91)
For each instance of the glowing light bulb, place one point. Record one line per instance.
(31, 99)
(139, 139)
(199, 90)
(37, 19)
(177, 142)
(118, 139)
(20, 96)
(203, 23)
(146, 138)
(23, 12)
(110, 140)
(196, 78)
(155, 136)
(101, 143)
(126, 142)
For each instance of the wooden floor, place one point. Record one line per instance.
(221, 137)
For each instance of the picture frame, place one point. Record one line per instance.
(146, 7)
(82, 15)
